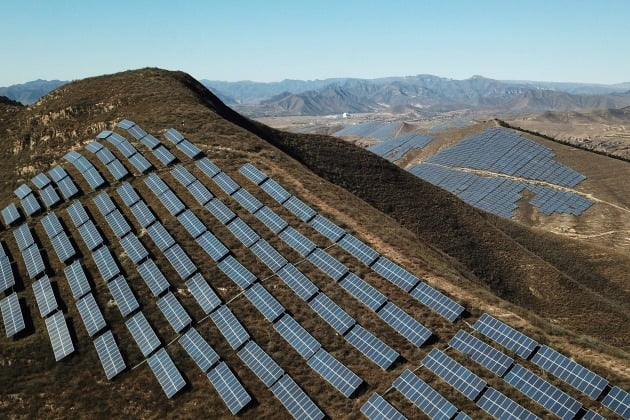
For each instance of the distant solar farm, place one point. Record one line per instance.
(490, 170)
(505, 353)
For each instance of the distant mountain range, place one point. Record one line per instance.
(412, 94)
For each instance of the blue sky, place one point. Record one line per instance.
(555, 40)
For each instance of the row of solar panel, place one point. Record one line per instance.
(395, 148)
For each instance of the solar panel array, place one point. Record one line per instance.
(456, 375)
(126, 149)
(167, 374)
(424, 397)
(59, 335)
(90, 173)
(505, 335)
(499, 406)
(380, 130)
(12, 314)
(377, 408)
(394, 148)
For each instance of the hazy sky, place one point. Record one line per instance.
(268, 40)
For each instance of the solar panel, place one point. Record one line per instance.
(260, 363)
(105, 156)
(160, 236)
(220, 210)
(77, 213)
(180, 261)
(23, 237)
(270, 219)
(140, 163)
(541, 391)
(252, 173)
(126, 148)
(229, 388)
(22, 191)
(90, 235)
(123, 296)
(328, 264)
(268, 255)
(156, 184)
(125, 124)
(377, 408)
(93, 178)
(395, 274)
(276, 191)
(153, 277)
(57, 173)
(570, 372)
(174, 312)
(33, 261)
(10, 214)
(295, 400)
(167, 374)
(303, 342)
(191, 223)
(105, 263)
(456, 375)
(505, 335)
(248, 201)
(51, 225)
(68, 188)
(208, 167)
(297, 281)
(501, 407)
(114, 138)
(440, 303)
(237, 272)
(358, 249)
(75, 275)
(297, 241)
(330, 312)
(230, 327)
(150, 141)
(163, 154)
(618, 401)
(30, 205)
(172, 203)
(59, 335)
(63, 248)
(44, 297)
(200, 192)
(90, 314)
(143, 215)
(40, 180)
(117, 223)
(143, 334)
(226, 183)
(371, 346)
(12, 315)
(482, 353)
(199, 350)
(300, 209)
(404, 324)
(173, 136)
(49, 196)
(243, 232)
(424, 397)
(117, 170)
(333, 371)
(133, 248)
(109, 354)
(212, 246)
(137, 132)
(268, 306)
(6, 274)
(183, 175)
(189, 149)
(128, 195)
(203, 293)
(591, 415)
(363, 291)
(327, 228)
(71, 156)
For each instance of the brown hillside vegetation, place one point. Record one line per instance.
(557, 290)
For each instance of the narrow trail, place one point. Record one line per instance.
(487, 173)
(595, 235)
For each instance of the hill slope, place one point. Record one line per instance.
(470, 255)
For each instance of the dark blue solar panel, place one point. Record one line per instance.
(300, 209)
(252, 173)
(297, 281)
(199, 350)
(271, 219)
(482, 353)
(268, 255)
(243, 232)
(377, 408)
(328, 264)
(440, 303)
(268, 306)
(229, 388)
(153, 277)
(295, 400)
(501, 407)
(203, 293)
(395, 274)
(200, 192)
(260, 363)
(248, 201)
(338, 375)
(505, 335)
(226, 183)
(240, 275)
(363, 291)
(213, 247)
(304, 343)
(456, 375)
(230, 327)
(358, 249)
(208, 167)
(424, 397)
(297, 241)
(618, 401)
(220, 210)
(330, 312)
(404, 324)
(276, 191)
(180, 261)
(371, 346)
(327, 228)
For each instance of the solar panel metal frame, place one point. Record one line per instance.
(427, 399)
(229, 388)
(297, 241)
(90, 314)
(78, 282)
(123, 296)
(363, 291)
(500, 406)
(333, 371)
(180, 261)
(201, 291)
(12, 316)
(199, 350)
(377, 408)
(482, 353)
(167, 374)
(295, 400)
(263, 366)
(404, 324)
(301, 340)
(231, 328)
(109, 355)
(143, 334)
(505, 335)
(237, 272)
(371, 347)
(59, 335)
(332, 313)
(437, 301)
(455, 374)
(264, 301)
(174, 312)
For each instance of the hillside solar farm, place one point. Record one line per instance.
(95, 233)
